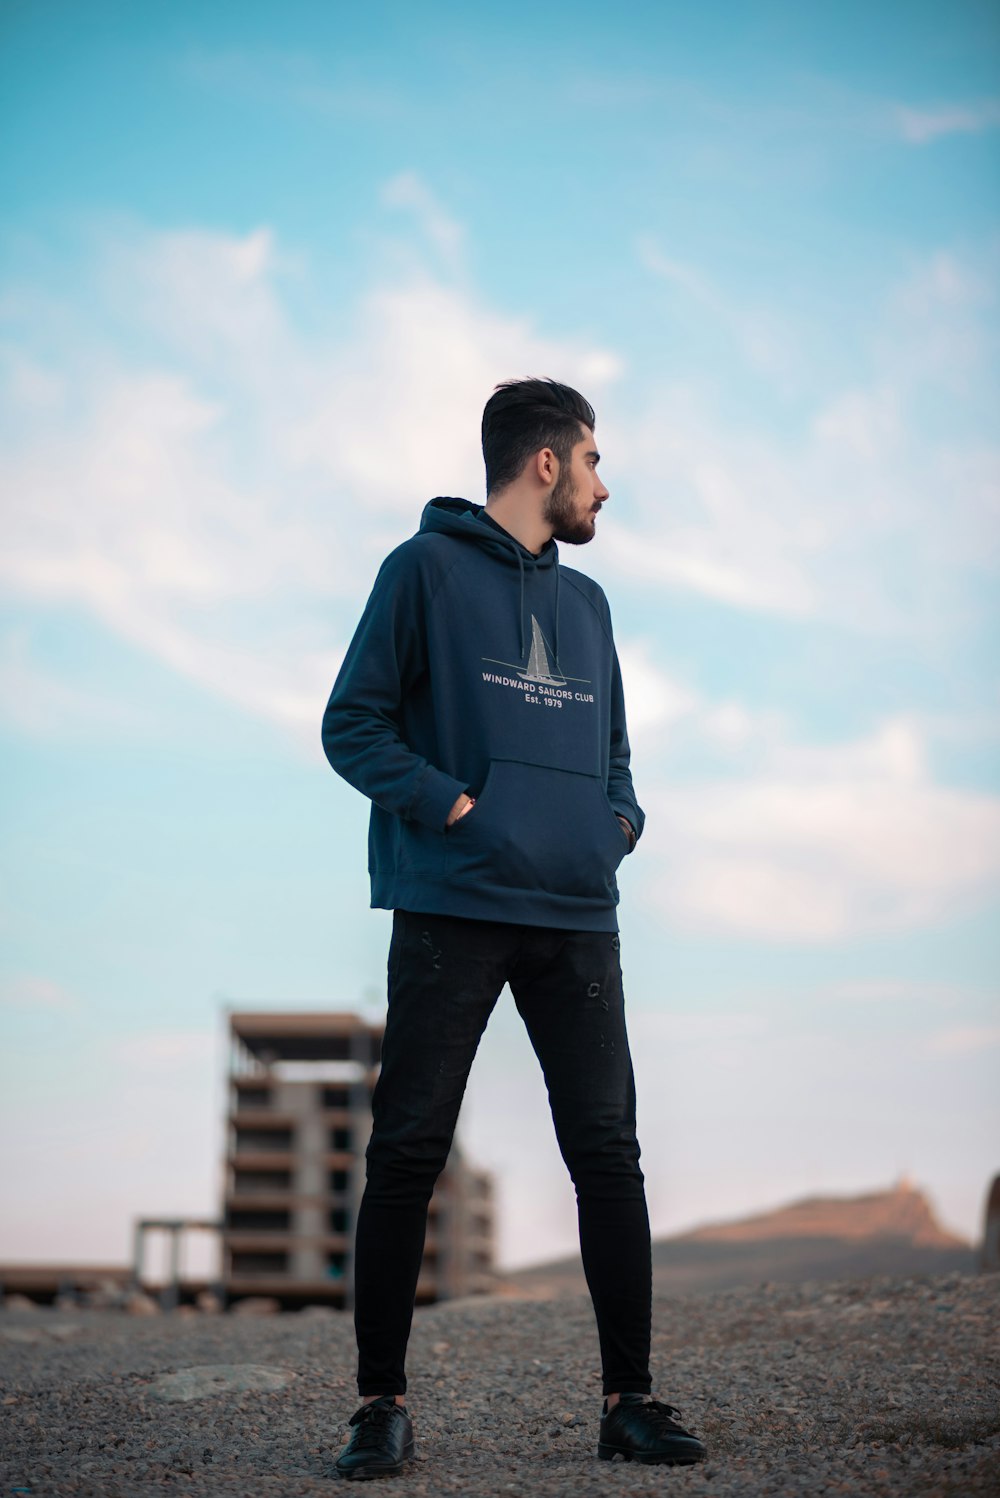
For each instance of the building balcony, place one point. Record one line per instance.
(249, 1241)
(266, 1159)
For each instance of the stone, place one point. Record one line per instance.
(140, 1304)
(214, 1379)
(257, 1305)
(107, 1296)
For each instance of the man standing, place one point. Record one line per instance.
(480, 708)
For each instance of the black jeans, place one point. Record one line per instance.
(445, 976)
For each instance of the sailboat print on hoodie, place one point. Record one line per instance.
(538, 660)
(538, 668)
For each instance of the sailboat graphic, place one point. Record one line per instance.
(538, 668)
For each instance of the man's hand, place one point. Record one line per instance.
(628, 830)
(462, 805)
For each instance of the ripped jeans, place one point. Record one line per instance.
(445, 976)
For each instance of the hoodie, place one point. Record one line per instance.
(478, 667)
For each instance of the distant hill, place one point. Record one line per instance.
(820, 1238)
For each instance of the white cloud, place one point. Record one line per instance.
(30, 385)
(210, 505)
(964, 1040)
(866, 514)
(799, 842)
(409, 191)
(942, 281)
(732, 726)
(764, 340)
(710, 566)
(654, 699)
(865, 422)
(213, 295)
(920, 126)
(662, 707)
(893, 753)
(205, 504)
(30, 991)
(821, 845)
(385, 384)
(939, 338)
(811, 843)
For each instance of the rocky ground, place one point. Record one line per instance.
(880, 1387)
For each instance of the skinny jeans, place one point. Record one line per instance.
(445, 976)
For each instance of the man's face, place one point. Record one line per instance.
(577, 495)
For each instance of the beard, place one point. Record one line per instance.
(560, 512)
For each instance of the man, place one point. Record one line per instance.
(480, 707)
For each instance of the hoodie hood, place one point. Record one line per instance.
(459, 517)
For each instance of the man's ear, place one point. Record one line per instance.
(546, 466)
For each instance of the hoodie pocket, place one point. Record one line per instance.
(535, 827)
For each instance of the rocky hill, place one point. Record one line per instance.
(819, 1238)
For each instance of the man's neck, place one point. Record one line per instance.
(519, 520)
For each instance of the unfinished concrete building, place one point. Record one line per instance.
(299, 1121)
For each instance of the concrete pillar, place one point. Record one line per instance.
(989, 1258)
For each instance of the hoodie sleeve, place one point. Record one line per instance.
(361, 725)
(620, 791)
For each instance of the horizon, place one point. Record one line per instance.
(901, 1187)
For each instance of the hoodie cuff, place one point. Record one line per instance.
(434, 798)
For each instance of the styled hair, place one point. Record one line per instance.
(523, 416)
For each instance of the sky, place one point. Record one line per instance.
(260, 269)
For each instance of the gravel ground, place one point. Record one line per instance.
(882, 1386)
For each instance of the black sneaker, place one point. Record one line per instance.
(381, 1443)
(644, 1430)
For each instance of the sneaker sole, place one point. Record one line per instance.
(607, 1453)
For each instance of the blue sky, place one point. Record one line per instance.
(260, 271)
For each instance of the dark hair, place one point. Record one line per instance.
(523, 416)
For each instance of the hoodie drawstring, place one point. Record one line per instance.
(556, 637)
(520, 614)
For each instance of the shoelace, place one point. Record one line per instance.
(372, 1419)
(659, 1414)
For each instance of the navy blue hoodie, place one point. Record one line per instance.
(479, 667)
